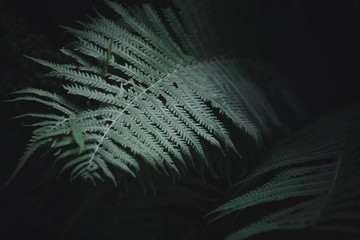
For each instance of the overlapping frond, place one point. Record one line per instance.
(313, 163)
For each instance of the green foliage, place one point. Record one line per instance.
(108, 57)
(155, 105)
(147, 95)
(314, 163)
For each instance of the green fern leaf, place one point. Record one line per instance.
(146, 98)
(77, 134)
(315, 170)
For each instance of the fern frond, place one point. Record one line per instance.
(159, 102)
(314, 170)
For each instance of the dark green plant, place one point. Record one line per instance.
(319, 168)
(148, 95)
(151, 107)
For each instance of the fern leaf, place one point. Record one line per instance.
(31, 148)
(159, 103)
(319, 179)
(77, 134)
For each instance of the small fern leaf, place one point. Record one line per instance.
(31, 148)
(77, 134)
(108, 57)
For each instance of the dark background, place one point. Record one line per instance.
(314, 44)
